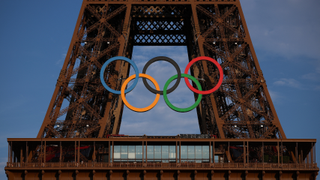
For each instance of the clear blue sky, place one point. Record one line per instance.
(35, 37)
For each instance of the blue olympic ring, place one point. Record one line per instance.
(103, 68)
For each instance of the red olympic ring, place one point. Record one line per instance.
(208, 59)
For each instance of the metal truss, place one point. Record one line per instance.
(238, 122)
(81, 107)
(242, 107)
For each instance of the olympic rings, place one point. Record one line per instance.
(220, 73)
(176, 108)
(134, 108)
(105, 66)
(157, 90)
(159, 58)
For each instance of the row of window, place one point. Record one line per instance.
(161, 153)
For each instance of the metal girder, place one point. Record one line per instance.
(242, 99)
(81, 107)
(79, 97)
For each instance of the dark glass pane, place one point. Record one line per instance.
(132, 152)
(111, 153)
(138, 152)
(198, 152)
(191, 152)
(184, 152)
(205, 152)
(116, 152)
(150, 153)
(172, 152)
(124, 152)
(144, 152)
(157, 152)
(165, 152)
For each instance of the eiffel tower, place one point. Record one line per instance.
(241, 135)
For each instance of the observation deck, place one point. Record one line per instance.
(157, 156)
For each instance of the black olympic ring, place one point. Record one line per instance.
(161, 58)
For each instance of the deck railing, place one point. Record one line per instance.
(140, 165)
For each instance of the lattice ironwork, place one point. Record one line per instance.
(159, 25)
(160, 11)
(160, 39)
(79, 101)
(241, 108)
(242, 103)
(170, 31)
(159, 32)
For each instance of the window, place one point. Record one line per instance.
(184, 153)
(165, 153)
(132, 152)
(150, 153)
(161, 153)
(205, 153)
(172, 152)
(218, 159)
(157, 153)
(139, 152)
(198, 152)
(190, 152)
(124, 152)
(116, 152)
(127, 153)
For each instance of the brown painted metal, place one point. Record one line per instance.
(82, 114)
(81, 107)
(254, 163)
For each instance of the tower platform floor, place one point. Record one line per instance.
(161, 157)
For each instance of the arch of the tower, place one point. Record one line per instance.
(82, 107)
(241, 136)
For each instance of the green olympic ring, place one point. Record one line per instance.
(176, 108)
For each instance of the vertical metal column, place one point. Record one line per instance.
(241, 108)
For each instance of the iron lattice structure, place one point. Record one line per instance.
(241, 136)
(81, 107)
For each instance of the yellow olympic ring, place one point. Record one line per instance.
(134, 108)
